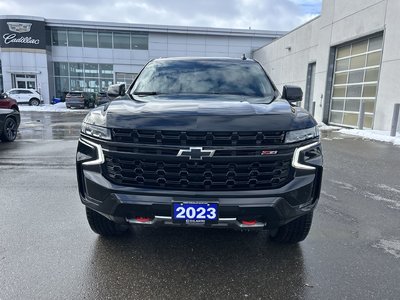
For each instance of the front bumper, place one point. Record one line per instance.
(270, 208)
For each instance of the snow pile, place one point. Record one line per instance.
(377, 135)
(58, 107)
(323, 127)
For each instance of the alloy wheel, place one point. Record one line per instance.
(11, 129)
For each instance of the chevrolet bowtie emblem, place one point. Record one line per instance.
(195, 153)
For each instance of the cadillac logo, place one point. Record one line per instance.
(195, 153)
(19, 27)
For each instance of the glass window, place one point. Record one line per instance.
(339, 91)
(374, 59)
(356, 76)
(105, 83)
(139, 41)
(350, 119)
(85, 77)
(21, 85)
(369, 90)
(126, 78)
(364, 61)
(77, 84)
(375, 43)
(354, 91)
(342, 65)
(62, 86)
(122, 40)
(343, 51)
(106, 71)
(371, 75)
(336, 117)
(105, 40)
(60, 69)
(24, 92)
(360, 47)
(48, 36)
(59, 37)
(357, 62)
(76, 69)
(352, 105)
(341, 78)
(91, 70)
(337, 104)
(91, 85)
(369, 106)
(74, 38)
(368, 121)
(90, 39)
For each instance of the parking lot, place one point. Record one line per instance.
(48, 251)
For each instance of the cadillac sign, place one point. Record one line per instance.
(22, 34)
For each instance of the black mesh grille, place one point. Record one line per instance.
(245, 174)
(198, 138)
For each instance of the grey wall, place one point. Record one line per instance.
(341, 21)
(28, 61)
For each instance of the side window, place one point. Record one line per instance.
(13, 92)
(24, 92)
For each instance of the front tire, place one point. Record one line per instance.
(293, 232)
(9, 132)
(103, 226)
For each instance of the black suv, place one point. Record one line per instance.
(203, 142)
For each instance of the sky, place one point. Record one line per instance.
(257, 14)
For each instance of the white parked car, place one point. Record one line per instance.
(28, 96)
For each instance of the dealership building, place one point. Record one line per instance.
(347, 61)
(57, 56)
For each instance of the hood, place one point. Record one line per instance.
(209, 114)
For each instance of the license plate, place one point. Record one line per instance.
(189, 212)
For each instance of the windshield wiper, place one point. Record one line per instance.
(145, 93)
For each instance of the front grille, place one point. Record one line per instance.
(207, 175)
(198, 138)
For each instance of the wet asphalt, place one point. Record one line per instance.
(47, 250)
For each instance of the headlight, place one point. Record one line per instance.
(301, 135)
(96, 131)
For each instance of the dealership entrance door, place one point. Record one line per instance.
(24, 81)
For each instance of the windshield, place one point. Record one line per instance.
(244, 78)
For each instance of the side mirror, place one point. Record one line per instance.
(116, 90)
(292, 93)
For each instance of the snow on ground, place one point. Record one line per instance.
(377, 135)
(391, 247)
(323, 127)
(58, 107)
